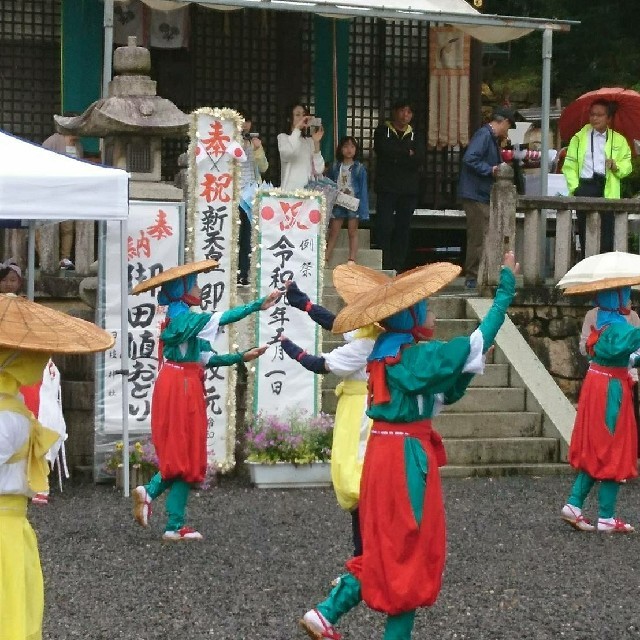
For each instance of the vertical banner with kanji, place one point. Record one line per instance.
(290, 247)
(154, 239)
(212, 233)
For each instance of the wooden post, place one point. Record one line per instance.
(501, 235)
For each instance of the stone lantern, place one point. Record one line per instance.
(132, 119)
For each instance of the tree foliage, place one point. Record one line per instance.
(603, 50)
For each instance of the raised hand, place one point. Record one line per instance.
(271, 299)
(254, 353)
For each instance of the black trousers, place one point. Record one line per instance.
(244, 252)
(393, 225)
(355, 530)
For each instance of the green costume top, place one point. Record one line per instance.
(615, 344)
(181, 341)
(429, 368)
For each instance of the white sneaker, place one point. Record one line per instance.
(573, 515)
(614, 525)
(141, 506)
(318, 627)
(186, 533)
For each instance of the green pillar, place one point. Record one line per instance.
(81, 63)
(331, 74)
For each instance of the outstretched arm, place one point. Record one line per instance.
(316, 364)
(300, 300)
(227, 359)
(237, 313)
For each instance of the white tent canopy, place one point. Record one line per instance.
(36, 183)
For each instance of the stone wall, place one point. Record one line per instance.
(551, 324)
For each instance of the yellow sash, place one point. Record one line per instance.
(40, 441)
(352, 388)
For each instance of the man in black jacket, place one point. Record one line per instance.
(399, 156)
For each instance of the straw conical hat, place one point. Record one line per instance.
(352, 280)
(30, 326)
(174, 273)
(602, 271)
(394, 295)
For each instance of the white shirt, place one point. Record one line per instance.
(14, 432)
(298, 160)
(350, 360)
(596, 163)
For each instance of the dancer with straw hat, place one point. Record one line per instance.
(178, 406)
(29, 333)
(401, 508)
(352, 425)
(604, 442)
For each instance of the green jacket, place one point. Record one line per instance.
(616, 148)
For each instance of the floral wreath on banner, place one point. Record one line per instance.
(255, 265)
(191, 217)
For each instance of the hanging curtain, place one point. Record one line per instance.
(448, 87)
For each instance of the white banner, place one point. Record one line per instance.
(212, 233)
(154, 236)
(290, 246)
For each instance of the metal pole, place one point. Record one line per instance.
(31, 260)
(547, 36)
(124, 352)
(108, 46)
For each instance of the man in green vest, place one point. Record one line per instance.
(597, 159)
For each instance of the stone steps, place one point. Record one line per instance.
(502, 470)
(475, 451)
(497, 424)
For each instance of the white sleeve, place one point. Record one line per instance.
(349, 358)
(475, 359)
(288, 145)
(317, 160)
(210, 330)
(14, 432)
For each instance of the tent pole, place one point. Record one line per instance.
(108, 46)
(547, 36)
(31, 260)
(124, 351)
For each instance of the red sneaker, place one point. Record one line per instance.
(186, 533)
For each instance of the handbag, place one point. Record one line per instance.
(327, 187)
(347, 201)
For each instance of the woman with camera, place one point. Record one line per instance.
(300, 156)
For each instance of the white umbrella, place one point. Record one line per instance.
(602, 271)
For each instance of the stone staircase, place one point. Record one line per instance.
(498, 427)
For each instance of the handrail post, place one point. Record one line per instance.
(563, 244)
(592, 234)
(621, 231)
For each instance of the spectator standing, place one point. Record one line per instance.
(72, 147)
(399, 156)
(251, 172)
(597, 159)
(477, 174)
(299, 148)
(351, 177)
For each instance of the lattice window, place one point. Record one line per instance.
(29, 67)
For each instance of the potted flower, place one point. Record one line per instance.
(289, 450)
(143, 463)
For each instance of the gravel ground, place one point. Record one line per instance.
(514, 570)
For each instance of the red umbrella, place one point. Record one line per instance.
(626, 119)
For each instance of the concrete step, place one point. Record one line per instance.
(447, 328)
(495, 375)
(497, 424)
(364, 239)
(447, 306)
(498, 470)
(473, 451)
(489, 399)
(369, 258)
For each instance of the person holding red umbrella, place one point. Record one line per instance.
(597, 159)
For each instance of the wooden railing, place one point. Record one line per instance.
(544, 216)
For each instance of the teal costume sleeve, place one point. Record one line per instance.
(492, 322)
(184, 327)
(616, 343)
(225, 359)
(237, 313)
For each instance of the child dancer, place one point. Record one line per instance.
(178, 409)
(28, 329)
(351, 178)
(604, 442)
(401, 509)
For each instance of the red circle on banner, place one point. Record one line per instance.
(197, 151)
(314, 216)
(238, 152)
(267, 213)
